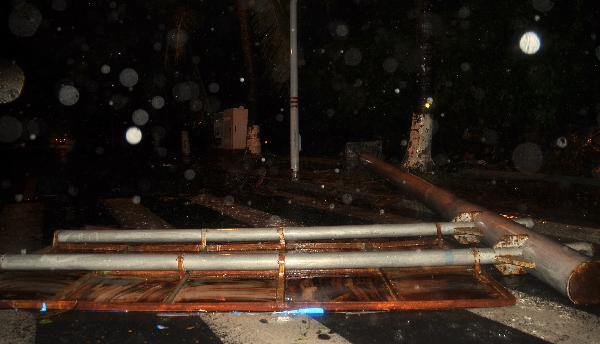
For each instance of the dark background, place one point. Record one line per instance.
(489, 96)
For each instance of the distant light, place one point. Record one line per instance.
(133, 135)
(242, 79)
(397, 91)
(105, 69)
(530, 43)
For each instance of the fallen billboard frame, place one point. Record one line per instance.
(564, 269)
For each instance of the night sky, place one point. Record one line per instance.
(358, 77)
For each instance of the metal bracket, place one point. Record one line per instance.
(466, 217)
(512, 241)
(281, 278)
(511, 265)
(203, 240)
(281, 233)
(439, 239)
(477, 265)
(467, 235)
(180, 268)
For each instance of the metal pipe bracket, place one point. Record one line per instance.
(467, 235)
(512, 241)
(512, 265)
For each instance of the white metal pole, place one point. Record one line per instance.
(294, 131)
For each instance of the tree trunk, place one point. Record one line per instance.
(418, 152)
(241, 7)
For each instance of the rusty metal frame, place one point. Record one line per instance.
(63, 300)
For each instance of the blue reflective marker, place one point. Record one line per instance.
(304, 311)
(43, 309)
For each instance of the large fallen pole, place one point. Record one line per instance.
(567, 271)
(267, 233)
(256, 261)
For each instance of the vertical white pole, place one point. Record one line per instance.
(294, 131)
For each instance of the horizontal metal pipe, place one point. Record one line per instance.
(262, 261)
(562, 268)
(258, 234)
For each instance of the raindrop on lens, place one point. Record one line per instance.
(24, 20)
(128, 77)
(189, 174)
(10, 129)
(527, 157)
(561, 142)
(157, 102)
(530, 43)
(68, 95)
(213, 87)
(133, 135)
(140, 117)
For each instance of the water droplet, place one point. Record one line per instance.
(128, 77)
(527, 157)
(12, 80)
(140, 117)
(352, 57)
(157, 102)
(390, 65)
(530, 43)
(189, 174)
(561, 142)
(68, 95)
(133, 135)
(542, 5)
(24, 20)
(213, 87)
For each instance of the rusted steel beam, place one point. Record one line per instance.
(333, 306)
(379, 244)
(562, 268)
(166, 236)
(260, 234)
(254, 261)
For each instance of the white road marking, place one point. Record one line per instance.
(545, 319)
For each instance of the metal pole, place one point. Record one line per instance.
(262, 234)
(262, 261)
(560, 267)
(294, 131)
